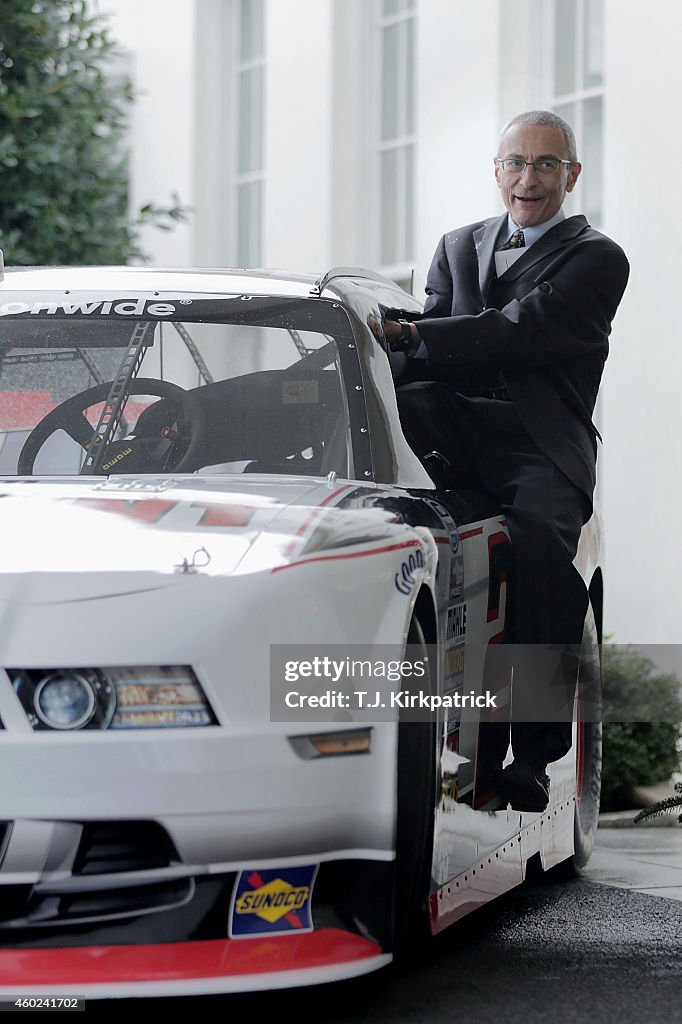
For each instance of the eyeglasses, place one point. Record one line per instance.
(545, 166)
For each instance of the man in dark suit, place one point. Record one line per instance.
(503, 373)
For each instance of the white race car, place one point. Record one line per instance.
(243, 644)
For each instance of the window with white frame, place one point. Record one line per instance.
(576, 91)
(249, 164)
(395, 135)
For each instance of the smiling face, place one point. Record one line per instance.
(533, 198)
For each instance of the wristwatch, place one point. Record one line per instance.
(404, 341)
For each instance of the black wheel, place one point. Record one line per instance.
(588, 754)
(416, 807)
(70, 417)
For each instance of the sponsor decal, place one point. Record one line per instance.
(456, 577)
(454, 661)
(116, 458)
(440, 509)
(141, 484)
(276, 901)
(457, 622)
(454, 720)
(404, 578)
(452, 538)
(121, 307)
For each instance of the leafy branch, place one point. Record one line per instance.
(661, 807)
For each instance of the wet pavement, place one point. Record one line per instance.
(642, 859)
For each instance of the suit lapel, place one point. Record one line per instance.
(485, 238)
(551, 241)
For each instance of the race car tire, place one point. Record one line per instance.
(588, 754)
(416, 807)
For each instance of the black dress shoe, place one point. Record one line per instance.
(525, 787)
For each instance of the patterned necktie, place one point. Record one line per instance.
(517, 241)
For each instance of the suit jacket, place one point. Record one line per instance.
(544, 325)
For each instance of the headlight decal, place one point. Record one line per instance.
(135, 697)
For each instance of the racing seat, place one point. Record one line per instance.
(277, 421)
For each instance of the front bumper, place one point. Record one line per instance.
(188, 968)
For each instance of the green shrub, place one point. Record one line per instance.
(642, 720)
(63, 164)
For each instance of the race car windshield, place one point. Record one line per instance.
(194, 385)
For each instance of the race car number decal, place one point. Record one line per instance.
(499, 572)
(152, 510)
(497, 672)
(276, 901)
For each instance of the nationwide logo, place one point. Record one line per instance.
(63, 308)
(272, 902)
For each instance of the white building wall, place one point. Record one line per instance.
(351, 171)
(298, 132)
(210, 137)
(641, 407)
(458, 119)
(158, 35)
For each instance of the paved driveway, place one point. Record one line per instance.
(643, 859)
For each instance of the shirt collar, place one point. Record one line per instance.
(536, 231)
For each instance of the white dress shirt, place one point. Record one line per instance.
(535, 231)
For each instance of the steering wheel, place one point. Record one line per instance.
(69, 416)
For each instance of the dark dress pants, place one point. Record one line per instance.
(486, 444)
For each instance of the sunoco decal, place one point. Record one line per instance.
(272, 902)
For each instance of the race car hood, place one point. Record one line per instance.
(66, 539)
